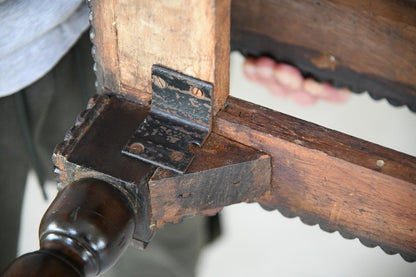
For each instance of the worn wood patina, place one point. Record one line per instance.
(252, 154)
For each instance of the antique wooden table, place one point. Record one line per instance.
(163, 140)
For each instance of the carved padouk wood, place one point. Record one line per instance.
(363, 44)
(191, 37)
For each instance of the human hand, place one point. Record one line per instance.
(286, 81)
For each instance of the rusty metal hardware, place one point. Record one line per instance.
(180, 115)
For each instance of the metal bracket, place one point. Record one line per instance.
(180, 115)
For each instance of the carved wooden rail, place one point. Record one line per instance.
(252, 154)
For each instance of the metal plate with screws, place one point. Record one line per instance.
(180, 115)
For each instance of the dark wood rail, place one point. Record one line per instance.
(325, 177)
(362, 44)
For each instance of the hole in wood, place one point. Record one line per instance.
(184, 195)
(197, 92)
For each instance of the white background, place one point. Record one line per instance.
(260, 243)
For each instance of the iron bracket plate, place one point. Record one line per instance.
(180, 115)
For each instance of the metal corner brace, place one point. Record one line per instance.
(180, 115)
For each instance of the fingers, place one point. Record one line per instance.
(277, 89)
(290, 81)
(303, 98)
(325, 91)
(259, 70)
(284, 80)
(288, 76)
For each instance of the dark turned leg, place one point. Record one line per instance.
(84, 231)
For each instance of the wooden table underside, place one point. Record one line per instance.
(320, 175)
(252, 154)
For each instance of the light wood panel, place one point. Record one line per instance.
(188, 36)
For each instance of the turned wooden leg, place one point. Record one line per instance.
(83, 232)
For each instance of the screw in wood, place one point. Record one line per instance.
(197, 92)
(159, 82)
(136, 148)
(177, 156)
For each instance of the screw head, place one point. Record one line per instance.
(197, 92)
(159, 82)
(177, 156)
(136, 148)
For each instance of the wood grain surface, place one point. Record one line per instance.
(364, 45)
(343, 183)
(223, 172)
(191, 37)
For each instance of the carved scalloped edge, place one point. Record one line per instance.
(394, 103)
(72, 136)
(390, 251)
(82, 123)
(95, 66)
(86, 117)
(377, 97)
